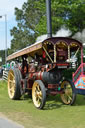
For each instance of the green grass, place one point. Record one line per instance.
(54, 115)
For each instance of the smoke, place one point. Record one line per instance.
(41, 38)
(80, 36)
(63, 32)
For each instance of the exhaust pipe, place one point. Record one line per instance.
(48, 13)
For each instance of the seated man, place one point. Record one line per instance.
(62, 55)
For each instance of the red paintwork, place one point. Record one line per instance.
(51, 86)
(81, 67)
(56, 92)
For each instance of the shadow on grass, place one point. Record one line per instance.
(54, 102)
(52, 106)
(26, 97)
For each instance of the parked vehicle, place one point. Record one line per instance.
(41, 70)
(1, 72)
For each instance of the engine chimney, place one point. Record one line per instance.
(48, 13)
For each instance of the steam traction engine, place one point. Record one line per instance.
(40, 71)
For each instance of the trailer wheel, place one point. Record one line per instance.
(14, 84)
(39, 94)
(68, 97)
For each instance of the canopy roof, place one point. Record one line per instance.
(58, 41)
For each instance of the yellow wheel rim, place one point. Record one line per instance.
(11, 84)
(67, 95)
(36, 94)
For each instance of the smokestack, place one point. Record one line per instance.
(48, 13)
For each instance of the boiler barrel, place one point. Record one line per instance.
(52, 77)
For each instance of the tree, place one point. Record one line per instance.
(31, 20)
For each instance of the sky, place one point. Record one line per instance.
(7, 8)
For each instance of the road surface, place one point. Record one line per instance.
(6, 123)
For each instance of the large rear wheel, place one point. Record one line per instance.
(39, 94)
(14, 84)
(68, 97)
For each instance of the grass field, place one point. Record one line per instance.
(54, 115)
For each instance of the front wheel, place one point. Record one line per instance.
(68, 97)
(39, 94)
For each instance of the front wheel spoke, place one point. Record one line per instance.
(40, 97)
(36, 98)
(35, 93)
(38, 89)
(39, 100)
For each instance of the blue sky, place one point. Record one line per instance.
(7, 7)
